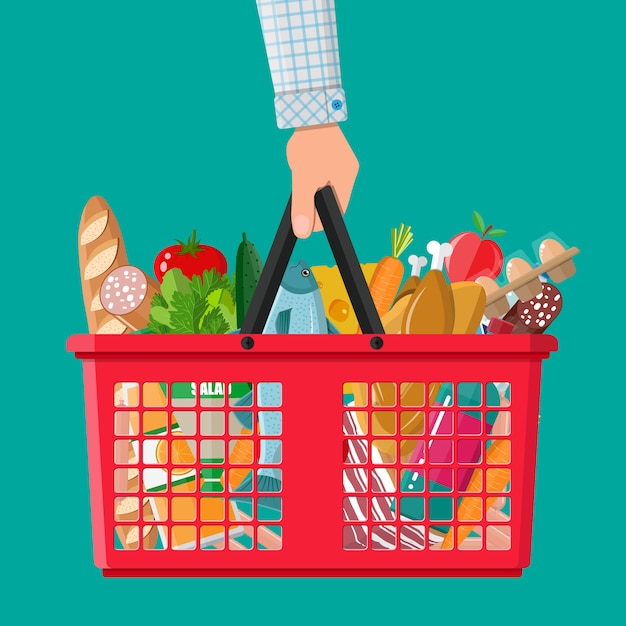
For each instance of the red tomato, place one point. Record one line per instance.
(192, 258)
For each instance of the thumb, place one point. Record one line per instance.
(302, 206)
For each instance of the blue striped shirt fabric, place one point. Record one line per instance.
(302, 50)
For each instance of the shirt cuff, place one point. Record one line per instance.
(308, 108)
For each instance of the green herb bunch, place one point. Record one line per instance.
(203, 305)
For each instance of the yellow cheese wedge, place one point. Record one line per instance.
(469, 300)
(335, 296)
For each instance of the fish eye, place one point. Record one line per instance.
(306, 272)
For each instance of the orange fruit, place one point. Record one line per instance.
(182, 454)
(161, 452)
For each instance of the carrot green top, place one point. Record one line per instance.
(400, 240)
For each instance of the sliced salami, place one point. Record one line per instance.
(536, 315)
(127, 292)
(123, 290)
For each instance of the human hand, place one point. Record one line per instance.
(318, 156)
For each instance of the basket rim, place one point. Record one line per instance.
(539, 346)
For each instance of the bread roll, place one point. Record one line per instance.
(129, 534)
(469, 299)
(100, 250)
(127, 509)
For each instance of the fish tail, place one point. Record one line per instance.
(268, 481)
(245, 418)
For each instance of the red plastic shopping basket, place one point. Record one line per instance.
(389, 455)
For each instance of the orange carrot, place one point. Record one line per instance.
(499, 452)
(388, 274)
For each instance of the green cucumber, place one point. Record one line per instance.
(247, 271)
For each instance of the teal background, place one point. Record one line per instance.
(512, 109)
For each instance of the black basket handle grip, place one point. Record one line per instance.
(345, 256)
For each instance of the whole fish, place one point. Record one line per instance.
(297, 309)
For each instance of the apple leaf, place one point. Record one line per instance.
(497, 232)
(478, 221)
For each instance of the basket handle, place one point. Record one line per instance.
(345, 256)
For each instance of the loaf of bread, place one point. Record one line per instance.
(100, 250)
(103, 261)
(469, 299)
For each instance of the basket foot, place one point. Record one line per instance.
(311, 573)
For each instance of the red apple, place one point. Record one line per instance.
(473, 255)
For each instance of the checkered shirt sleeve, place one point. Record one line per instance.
(303, 54)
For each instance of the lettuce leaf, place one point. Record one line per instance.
(193, 306)
(174, 280)
(214, 322)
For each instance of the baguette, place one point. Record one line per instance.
(100, 250)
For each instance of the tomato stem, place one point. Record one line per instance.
(191, 247)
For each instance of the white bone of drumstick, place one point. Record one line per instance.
(439, 252)
(417, 263)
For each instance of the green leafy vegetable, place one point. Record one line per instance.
(156, 327)
(202, 305)
(186, 313)
(214, 322)
(174, 280)
(228, 308)
(159, 300)
(159, 317)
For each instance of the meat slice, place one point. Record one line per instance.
(127, 292)
(536, 315)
